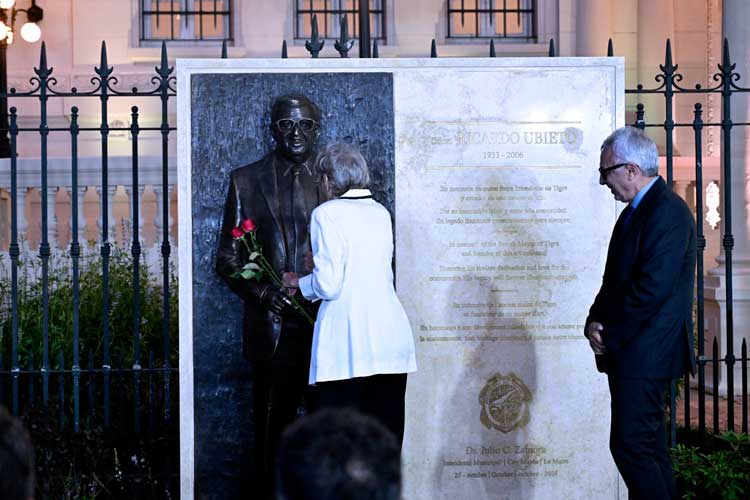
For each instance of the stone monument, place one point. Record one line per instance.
(501, 235)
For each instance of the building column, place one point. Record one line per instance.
(22, 223)
(655, 25)
(52, 234)
(172, 226)
(4, 219)
(736, 28)
(141, 192)
(158, 216)
(81, 215)
(113, 223)
(111, 233)
(686, 189)
(593, 27)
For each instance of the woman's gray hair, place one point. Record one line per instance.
(632, 145)
(345, 168)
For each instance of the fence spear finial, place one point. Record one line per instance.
(103, 70)
(551, 47)
(668, 66)
(375, 53)
(343, 45)
(43, 57)
(43, 71)
(103, 55)
(492, 49)
(610, 49)
(224, 49)
(433, 49)
(163, 70)
(164, 53)
(725, 62)
(284, 53)
(315, 44)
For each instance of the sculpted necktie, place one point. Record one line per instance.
(299, 214)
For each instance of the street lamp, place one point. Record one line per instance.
(31, 33)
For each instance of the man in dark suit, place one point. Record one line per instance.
(278, 193)
(640, 325)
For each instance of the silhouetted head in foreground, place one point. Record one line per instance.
(16, 459)
(338, 454)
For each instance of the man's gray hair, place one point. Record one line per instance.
(631, 145)
(345, 168)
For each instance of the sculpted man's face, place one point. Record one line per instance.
(295, 130)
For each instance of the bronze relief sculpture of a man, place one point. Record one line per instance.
(278, 192)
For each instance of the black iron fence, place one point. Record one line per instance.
(91, 376)
(105, 87)
(77, 375)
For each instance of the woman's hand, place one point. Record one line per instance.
(291, 282)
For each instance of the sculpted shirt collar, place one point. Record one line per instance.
(357, 194)
(290, 167)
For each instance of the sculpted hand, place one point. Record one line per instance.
(309, 262)
(290, 282)
(596, 342)
(277, 301)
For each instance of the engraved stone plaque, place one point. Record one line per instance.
(502, 231)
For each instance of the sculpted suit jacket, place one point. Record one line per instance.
(645, 301)
(256, 191)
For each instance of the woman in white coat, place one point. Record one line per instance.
(363, 345)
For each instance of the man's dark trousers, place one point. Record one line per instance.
(279, 387)
(638, 440)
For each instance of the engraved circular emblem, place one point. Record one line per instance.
(505, 403)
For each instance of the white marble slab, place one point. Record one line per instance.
(501, 235)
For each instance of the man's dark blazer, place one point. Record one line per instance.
(645, 301)
(254, 193)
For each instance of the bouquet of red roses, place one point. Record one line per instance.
(257, 266)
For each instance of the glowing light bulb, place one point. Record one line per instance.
(7, 4)
(31, 32)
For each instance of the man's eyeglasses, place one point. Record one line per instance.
(304, 124)
(604, 170)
